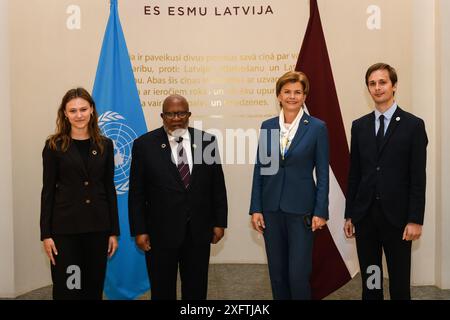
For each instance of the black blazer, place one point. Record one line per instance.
(158, 203)
(396, 174)
(75, 200)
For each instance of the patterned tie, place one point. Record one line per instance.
(380, 133)
(183, 164)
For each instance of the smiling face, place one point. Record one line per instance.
(292, 96)
(78, 111)
(381, 88)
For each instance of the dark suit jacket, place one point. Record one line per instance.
(75, 200)
(158, 203)
(292, 188)
(396, 174)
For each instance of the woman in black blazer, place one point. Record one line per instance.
(79, 218)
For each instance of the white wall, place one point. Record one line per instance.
(6, 206)
(430, 100)
(423, 104)
(443, 124)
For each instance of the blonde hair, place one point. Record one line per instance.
(292, 77)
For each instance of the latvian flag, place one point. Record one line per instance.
(334, 257)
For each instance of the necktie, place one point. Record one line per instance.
(380, 133)
(183, 164)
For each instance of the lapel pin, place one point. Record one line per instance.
(94, 152)
(397, 119)
(163, 145)
(305, 121)
(194, 146)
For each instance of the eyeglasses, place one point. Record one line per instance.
(172, 115)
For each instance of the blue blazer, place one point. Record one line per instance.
(290, 186)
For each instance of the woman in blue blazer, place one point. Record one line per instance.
(79, 218)
(287, 203)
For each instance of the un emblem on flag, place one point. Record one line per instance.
(114, 126)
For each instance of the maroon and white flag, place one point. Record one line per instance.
(334, 257)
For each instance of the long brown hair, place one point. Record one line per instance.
(63, 127)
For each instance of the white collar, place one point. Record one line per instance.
(186, 136)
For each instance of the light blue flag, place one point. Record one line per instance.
(121, 119)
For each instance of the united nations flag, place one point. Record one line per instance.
(122, 120)
(115, 127)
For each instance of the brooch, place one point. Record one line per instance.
(305, 121)
(94, 152)
(397, 119)
(163, 145)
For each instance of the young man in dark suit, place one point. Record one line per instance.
(386, 187)
(177, 202)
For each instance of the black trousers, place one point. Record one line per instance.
(162, 267)
(79, 273)
(374, 234)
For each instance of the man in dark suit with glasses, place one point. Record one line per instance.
(177, 202)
